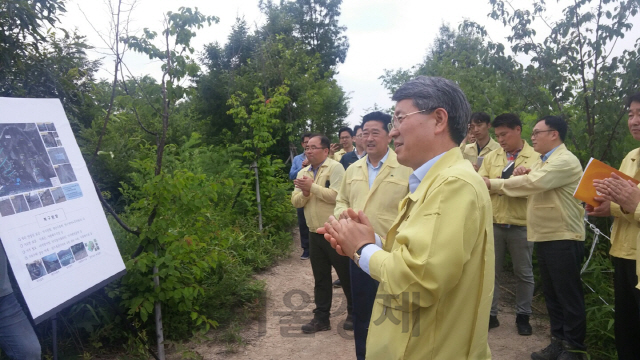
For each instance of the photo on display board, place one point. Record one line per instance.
(36, 269)
(65, 173)
(79, 251)
(33, 200)
(66, 257)
(58, 156)
(49, 140)
(24, 161)
(6, 208)
(58, 195)
(46, 198)
(19, 204)
(51, 263)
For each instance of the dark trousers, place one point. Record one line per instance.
(323, 257)
(627, 302)
(363, 291)
(559, 262)
(304, 229)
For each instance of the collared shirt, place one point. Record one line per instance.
(315, 171)
(414, 181)
(546, 156)
(421, 172)
(512, 156)
(296, 165)
(373, 171)
(355, 151)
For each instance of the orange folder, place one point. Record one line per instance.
(595, 169)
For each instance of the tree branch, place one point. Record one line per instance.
(112, 212)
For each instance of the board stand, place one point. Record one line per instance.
(54, 330)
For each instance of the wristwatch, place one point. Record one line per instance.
(356, 255)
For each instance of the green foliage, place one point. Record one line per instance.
(190, 199)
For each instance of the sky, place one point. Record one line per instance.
(383, 34)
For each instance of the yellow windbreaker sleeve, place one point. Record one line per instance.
(553, 175)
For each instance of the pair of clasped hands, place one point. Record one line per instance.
(520, 170)
(622, 192)
(349, 232)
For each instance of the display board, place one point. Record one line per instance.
(52, 225)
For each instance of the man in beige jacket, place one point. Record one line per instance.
(436, 265)
(510, 217)
(484, 144)
(317, 186)
(375, 184)
(555, 224)
(623, 205)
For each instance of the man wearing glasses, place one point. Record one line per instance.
(436, 265)
(376, 184)
(300, 161)
(337, 151)
(555, 225)
(317, 186)
(357, 153)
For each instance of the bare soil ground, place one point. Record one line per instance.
(289, 304)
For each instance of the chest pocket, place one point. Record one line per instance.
(393, 191)
(496, 170)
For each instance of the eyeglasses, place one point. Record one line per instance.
(358, 136)
(535, 133)
(313, 148)
(397, 120)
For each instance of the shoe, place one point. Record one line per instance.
(570, 352)
(493, 322)
(551, 352)
(316, 325)
(522, 323)
(348, 323)
(570, 355)
(337, 284)
(305, 255)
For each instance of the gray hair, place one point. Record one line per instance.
(429, 93)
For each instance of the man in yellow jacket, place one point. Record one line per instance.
(555, 224)
(625, 233)
(317, 186)
(337, 151)
(484, 144)
(374, 184)
(436, 265)
(510, 217)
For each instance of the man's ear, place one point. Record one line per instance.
(442, 120)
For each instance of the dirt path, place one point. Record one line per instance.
(289, 305)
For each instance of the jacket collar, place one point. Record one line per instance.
(447, 160)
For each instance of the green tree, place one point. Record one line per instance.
(576, 66)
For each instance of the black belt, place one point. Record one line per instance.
(507, 226)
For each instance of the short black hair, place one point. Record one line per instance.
(305, 135)
(324, 141)
(385, 119)
(347, 129)
(480, 117)
(633, 98)
(556, 123)
(356, 128)
(509, 120)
